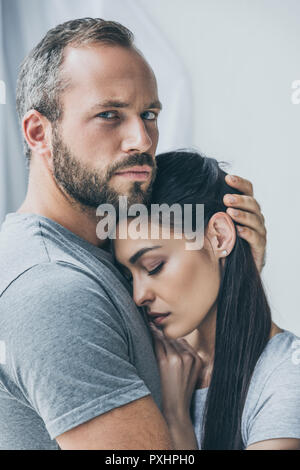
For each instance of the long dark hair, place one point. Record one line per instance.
(243, 321)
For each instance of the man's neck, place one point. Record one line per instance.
(44, 197)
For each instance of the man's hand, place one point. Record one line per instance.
(246, 211)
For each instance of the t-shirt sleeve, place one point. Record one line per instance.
(277, 411)
(68, 350)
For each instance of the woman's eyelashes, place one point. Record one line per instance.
(156, 270)
(127, 274)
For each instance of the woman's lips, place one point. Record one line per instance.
(158, 317)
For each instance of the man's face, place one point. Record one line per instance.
(109, 126)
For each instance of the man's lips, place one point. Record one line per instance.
(140, 173)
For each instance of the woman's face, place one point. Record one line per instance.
(178, 287)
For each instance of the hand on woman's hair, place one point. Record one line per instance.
(246, 211)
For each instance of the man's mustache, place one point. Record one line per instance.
(132, 160)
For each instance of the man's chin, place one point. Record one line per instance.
(136, 193)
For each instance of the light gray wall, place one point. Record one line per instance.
(243, 56)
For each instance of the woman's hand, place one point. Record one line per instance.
(248, 214)
(179, 367)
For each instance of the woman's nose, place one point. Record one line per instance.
(142, 294)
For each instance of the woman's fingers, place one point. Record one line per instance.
(159, 344)
(175, 350)
(186, 348)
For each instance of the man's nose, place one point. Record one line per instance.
(142, 294)
(136, 139)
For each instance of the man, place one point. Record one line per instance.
(80, 372)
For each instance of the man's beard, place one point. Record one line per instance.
(90, 188)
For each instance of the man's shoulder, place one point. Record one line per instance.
(59, 301)
(37, 249)
(48, 272)
(52, 280)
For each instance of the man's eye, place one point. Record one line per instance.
(156, 270)
(107, 115)
(149, 115)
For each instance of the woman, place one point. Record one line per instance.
(234, 382)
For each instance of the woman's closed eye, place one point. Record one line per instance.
(127, 274)
(156, 270)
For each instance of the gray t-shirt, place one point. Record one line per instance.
(73, 344)
(272, 406)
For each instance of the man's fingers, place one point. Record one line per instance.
(257, 244)
(239, 183)
(246, 203)
(253, 221)
(252, 237)
(248, 214)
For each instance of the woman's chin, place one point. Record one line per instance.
(174, 333)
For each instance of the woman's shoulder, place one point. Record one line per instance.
(281, 352)
(279, 363)
(273, 400)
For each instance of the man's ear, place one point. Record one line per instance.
(221, 233)
(37, 131)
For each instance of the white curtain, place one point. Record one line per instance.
(24, 22)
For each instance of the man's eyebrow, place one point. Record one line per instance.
(122, 104)
(133, 259)
(109, 104)
(155, 104)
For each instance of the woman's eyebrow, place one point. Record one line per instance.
(133, 259)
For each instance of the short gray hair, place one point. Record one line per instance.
(39, 82)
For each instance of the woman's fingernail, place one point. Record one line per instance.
(240, 229)
(231, 199)
(233, 178)
(233, 212)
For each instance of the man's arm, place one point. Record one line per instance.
(137, 425)
(71, 354)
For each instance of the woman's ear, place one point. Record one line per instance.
(221, 234)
